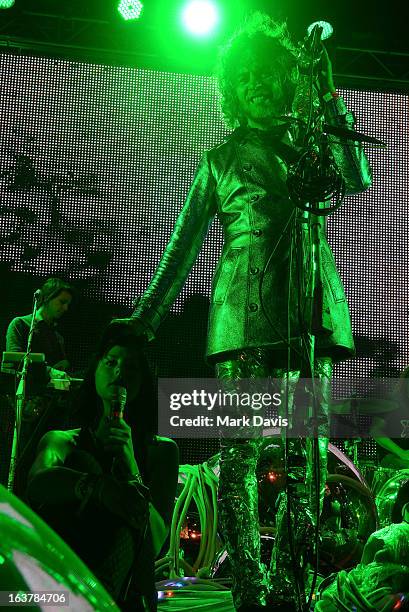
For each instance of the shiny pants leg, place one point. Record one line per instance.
(238, 493)
(294, 536)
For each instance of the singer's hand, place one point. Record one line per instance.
(310, 51)
(116, 438)
(325, 76)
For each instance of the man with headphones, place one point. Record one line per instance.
(43, 409)
(55, 297)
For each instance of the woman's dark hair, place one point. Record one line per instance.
(259, 34)
(53, 287)
(141, 414)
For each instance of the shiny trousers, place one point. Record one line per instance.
(238, 489)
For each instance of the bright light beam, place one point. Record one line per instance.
(200, 17)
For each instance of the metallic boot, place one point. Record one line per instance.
(238, 492)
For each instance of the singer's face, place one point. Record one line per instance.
(119, 367)
(259, 91)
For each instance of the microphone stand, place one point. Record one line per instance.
(301, 180)
(20, 400)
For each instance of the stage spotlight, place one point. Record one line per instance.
(130, 9)
(5, 4)
(200, 17)
(327, 29)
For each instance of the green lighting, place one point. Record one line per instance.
(200, 17)
(129, 9)
(5, 4)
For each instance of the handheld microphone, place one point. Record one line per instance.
(37, 294)
(118, 404)
(310, 50)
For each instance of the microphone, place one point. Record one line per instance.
(37, 294)
(118, 404)
(310, 50)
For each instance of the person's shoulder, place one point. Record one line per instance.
(162, 442)
(229, 140)
(20, 321)
(164, 446)
(59, 439)
(223, 153)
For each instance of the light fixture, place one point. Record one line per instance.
(129, 9)
(6, 4)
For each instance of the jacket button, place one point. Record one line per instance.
(257, 232)
(254, 197)
(254, 270)
(253, 307)
(247, 167)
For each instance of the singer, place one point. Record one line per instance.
(109, 486)
(258, 303)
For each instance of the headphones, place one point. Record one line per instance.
(50, 289)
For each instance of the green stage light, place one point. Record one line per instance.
(130, 9)
(200, 17)
(5, 4)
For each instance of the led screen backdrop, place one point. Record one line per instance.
(95, 162)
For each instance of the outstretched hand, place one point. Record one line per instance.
(130, 323)
(316, 53)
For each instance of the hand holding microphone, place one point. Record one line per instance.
(118, 405)
(314, 56)
(310, 51)
(116, 435)
(121, 493)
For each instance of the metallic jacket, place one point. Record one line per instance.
(259, 287)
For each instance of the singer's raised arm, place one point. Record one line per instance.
(349, 155)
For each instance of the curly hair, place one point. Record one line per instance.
(261, 35)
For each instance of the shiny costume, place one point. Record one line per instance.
(257, 296)
(242, 181)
